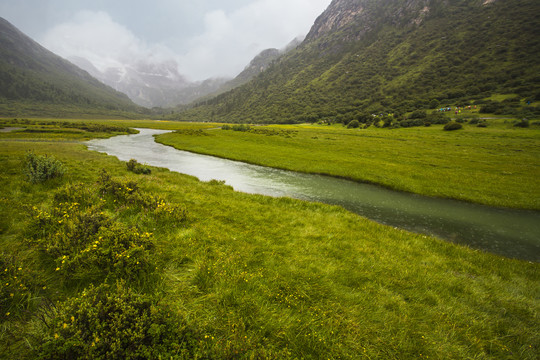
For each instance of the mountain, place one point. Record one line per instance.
(31, 77)
(260, 63)
(150, 83)
(257, 65)
(392, 56)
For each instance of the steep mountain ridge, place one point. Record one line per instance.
(30, 74)
(370, 56)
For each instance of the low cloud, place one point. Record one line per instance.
(105, 43)
(231, 39)
(228, 41)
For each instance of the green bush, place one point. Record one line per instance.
(418, 114)
(452, 125)
(134, 166)
(87, 244)
(38, 168)
(113, 322)
(353, 124)
(524, 123)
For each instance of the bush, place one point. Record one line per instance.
(134, 166)
(113, 322)
(353, 124)
(39, 168)
(524, 123)
(418, 114)
(452, 126)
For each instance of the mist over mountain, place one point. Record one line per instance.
(151, 84)
(257, 65)
(33, 77)
(159, 84)
(392, 56)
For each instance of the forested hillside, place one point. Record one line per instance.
(33, 79)
(387, 56)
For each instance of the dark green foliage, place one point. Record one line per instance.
(40, 168)
(524, 123)
(452, 125)
(353, 124)
(241, 127)
(61, 126)
(418, 114)
(113, 322)
(134, 166)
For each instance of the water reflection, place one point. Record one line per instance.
(512, 233)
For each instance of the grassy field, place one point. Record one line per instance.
(117, 265)
(498, 165)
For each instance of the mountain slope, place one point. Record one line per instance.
(30, 75)
(367, 56)
(257, 65)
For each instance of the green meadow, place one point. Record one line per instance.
(104, 263)
(498, 165)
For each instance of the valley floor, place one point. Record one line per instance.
(190, 269)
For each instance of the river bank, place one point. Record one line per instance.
(506, 232)
(495, 166)
(250, 276)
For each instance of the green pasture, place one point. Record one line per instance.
(498, 165)
(227, 275)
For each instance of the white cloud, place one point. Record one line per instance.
(105, 43)
(231, 40)
(228, 41)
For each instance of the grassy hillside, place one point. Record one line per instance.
(104, 263)
(34, 80)
(394, 60)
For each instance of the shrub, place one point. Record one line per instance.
(39, 168)
(353, 124)
(524, 123)
(79, 193)
(134, 166)
(88, 245)
(452, 125)
(418, 114)
(113, 322)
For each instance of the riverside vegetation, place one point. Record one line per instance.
(498, 165)
(101, 262)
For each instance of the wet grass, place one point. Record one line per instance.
(498, 165)
(260, 277)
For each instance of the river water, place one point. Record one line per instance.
(511, 233)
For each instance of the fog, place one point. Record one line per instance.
(206, 38)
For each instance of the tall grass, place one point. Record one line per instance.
(248, 276)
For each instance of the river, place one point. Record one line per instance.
(511, 233)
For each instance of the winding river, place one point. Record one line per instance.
(511, 233)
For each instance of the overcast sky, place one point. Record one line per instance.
(207, 38)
